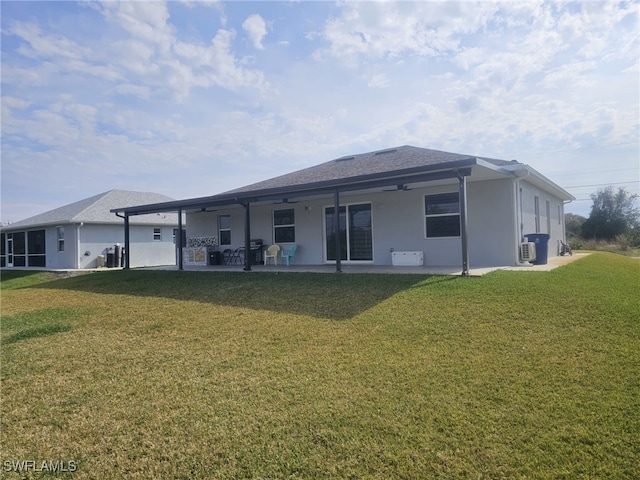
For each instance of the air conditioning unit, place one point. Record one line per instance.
(527, 252)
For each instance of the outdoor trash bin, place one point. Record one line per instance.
(542, 246)
(215, 258)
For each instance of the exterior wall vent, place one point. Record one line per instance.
(384, 152)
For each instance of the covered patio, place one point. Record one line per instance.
(454, 171)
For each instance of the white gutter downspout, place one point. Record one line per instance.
(78, 226)
(520, 174)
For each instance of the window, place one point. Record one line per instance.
(284, 229)
(157, 235)
(548, 217)
(60, 231)
(19, 249)
(559, 215)
(442, 213)
(36, 248)
(536, 206)
(224, 229)
(3, 250)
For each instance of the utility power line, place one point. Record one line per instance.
(603, 184)
(573, 174)
(579, 148)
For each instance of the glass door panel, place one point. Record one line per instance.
(10, 250)
(356, 238)
(330, 219)
(360, 236)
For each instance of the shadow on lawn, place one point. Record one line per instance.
(336, 297)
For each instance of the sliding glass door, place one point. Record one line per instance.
(356, 237)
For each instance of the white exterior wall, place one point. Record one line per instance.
(491, 223)
(84, 242)
(145, 251)
(66, 259)
(551, 223)
(96, 240)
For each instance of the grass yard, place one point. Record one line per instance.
(193, 375)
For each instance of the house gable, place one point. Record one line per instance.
(97, 209)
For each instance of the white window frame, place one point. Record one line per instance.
(536, 210)
(448, 214)
(288, 225)
(559, 215)
(60, 239)
(220, 229)
(548, 207)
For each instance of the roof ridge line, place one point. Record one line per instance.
(98, 197)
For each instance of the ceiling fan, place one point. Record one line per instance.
(400, 187)
(284, 200)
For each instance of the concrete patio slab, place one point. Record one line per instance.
(553, 262)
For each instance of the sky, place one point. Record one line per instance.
(193, 98)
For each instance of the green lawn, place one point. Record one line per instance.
(187, 375)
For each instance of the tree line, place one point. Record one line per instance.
(613, 215)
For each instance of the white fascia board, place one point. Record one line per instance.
(522, 171)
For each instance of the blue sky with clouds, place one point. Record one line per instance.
(194, 98)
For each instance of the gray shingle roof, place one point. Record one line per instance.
(378, 166)
(96, 209)
(379, 162)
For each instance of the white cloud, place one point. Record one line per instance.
(142, 56)
(39, 45)
(188, 100)
(12, 102)
(379, 80)
(378, 30)
(135, 90)
(256, 29)
(572, 74)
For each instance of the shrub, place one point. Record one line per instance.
(623, 242)
(633, 234)
(576, 244)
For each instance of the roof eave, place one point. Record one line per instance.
(311, 188)
(523, 171)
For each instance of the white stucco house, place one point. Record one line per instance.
(434, 208)
(84, 234)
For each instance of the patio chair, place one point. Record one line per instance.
(237, 257)
(226, 256)
(565, 249)
(289, 255)
(272, 252)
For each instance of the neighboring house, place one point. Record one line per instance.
(82, 234)
(455, 209)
